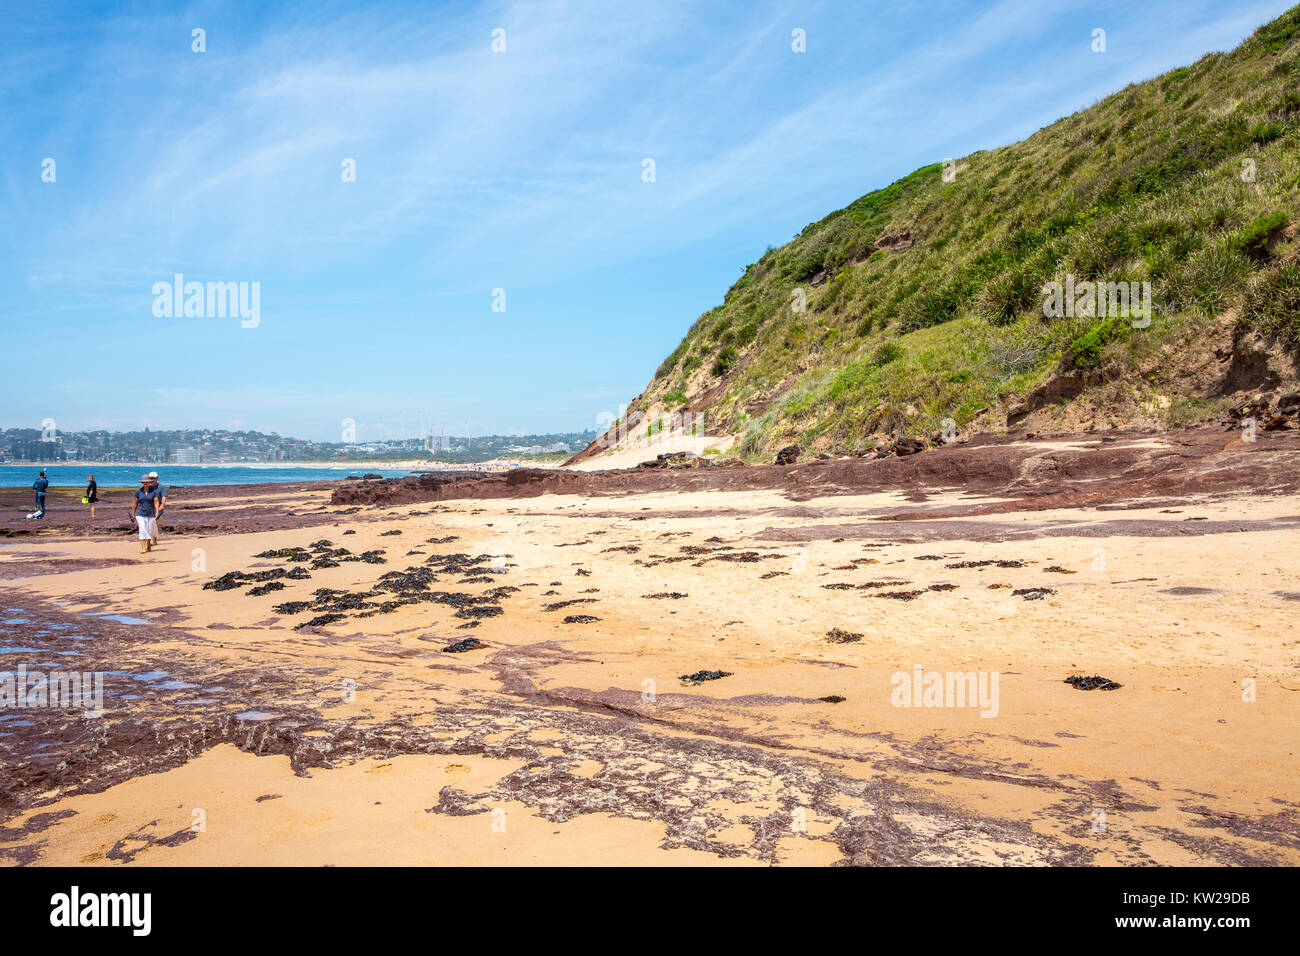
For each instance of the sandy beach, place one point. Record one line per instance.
(283, 684)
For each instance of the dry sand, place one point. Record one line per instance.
(577, 743)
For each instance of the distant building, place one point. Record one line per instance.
(186, 456)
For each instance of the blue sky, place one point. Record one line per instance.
(475, 170)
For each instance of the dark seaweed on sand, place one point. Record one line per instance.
(286, 554)
(699, 677)
(486, 610)
(460, 647)
(563, 604)
(236, 579)
(1092, 683)
(321, 620)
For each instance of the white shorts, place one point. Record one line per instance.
(148, 527)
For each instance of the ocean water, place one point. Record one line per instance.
(114, 476)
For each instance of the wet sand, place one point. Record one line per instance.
(238, 732)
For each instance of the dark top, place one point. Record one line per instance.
(146, 503)
(40, 484)
(91, 490)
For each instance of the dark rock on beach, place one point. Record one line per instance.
(787, 455)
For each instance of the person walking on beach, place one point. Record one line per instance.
(161, 494)
(39, 486)
(145, 513)
(92, 494)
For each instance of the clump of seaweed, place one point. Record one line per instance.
(460, 647)
(699, 677)
(1092, 683)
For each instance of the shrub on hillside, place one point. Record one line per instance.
(1265, 133)
(1008, 295)
(931, 307)
(887, 353)
(726, 360)
(1085, 351)
(1253, 239)
(1272, 304)
(1211, 280)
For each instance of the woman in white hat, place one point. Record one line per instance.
(145, 512)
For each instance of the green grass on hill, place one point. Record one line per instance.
(924, 299)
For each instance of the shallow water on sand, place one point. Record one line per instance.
(35, 644)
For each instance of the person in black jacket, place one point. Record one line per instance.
(92, 494)
(39, 486)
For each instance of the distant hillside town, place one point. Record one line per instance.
(220, 446)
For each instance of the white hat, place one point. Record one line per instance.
(153, 474)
